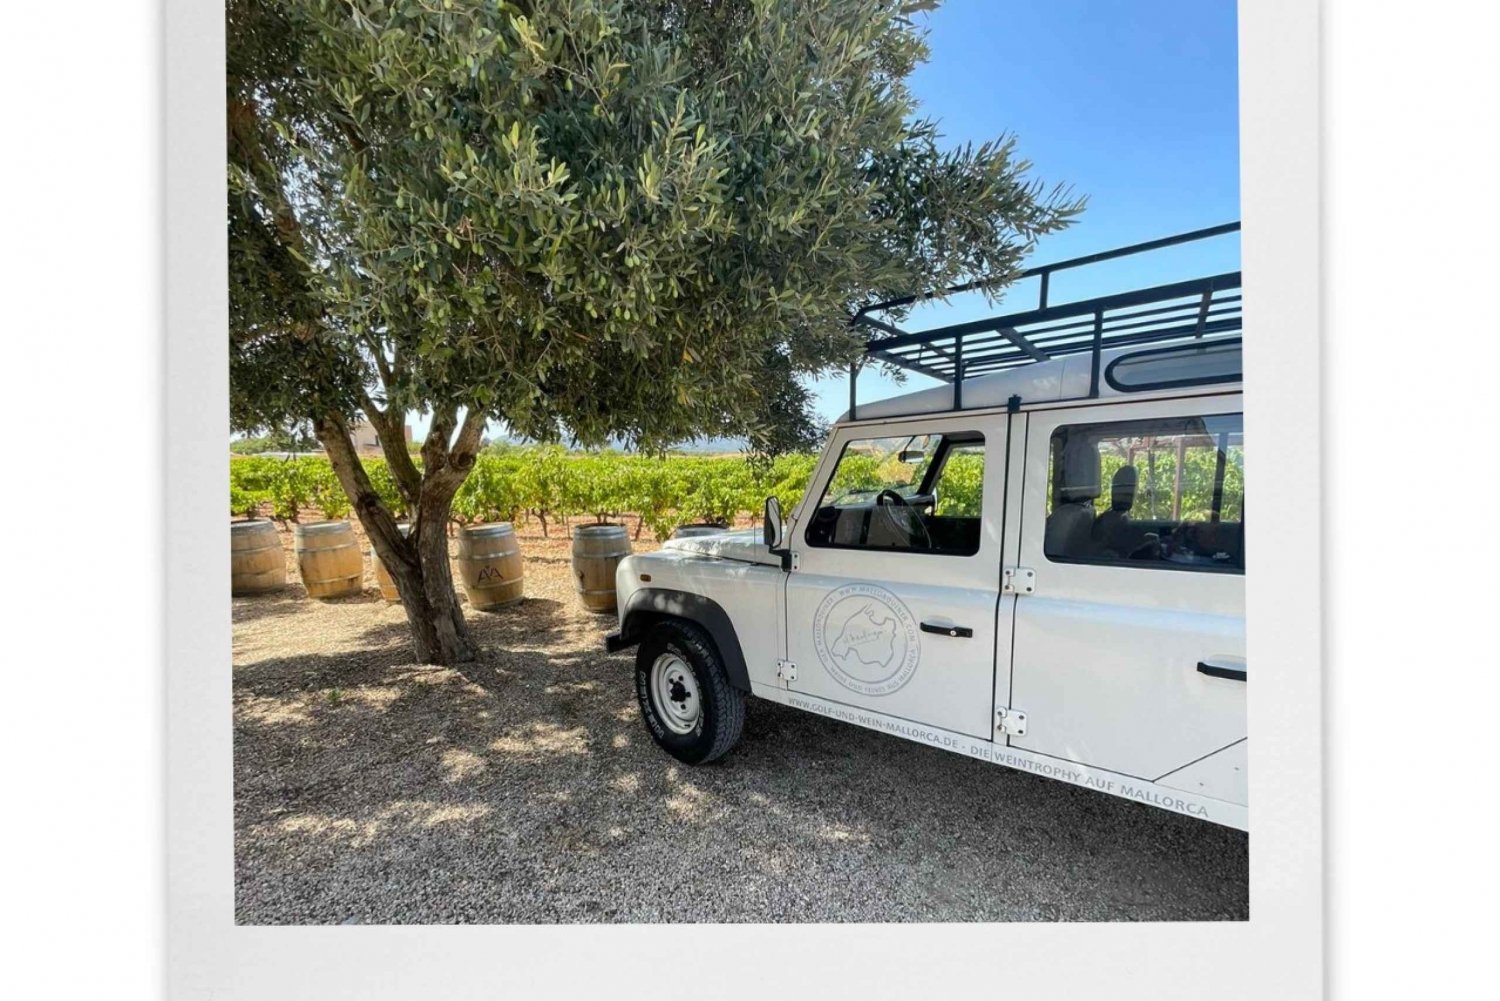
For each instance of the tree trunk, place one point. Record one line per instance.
(425, 583)
(418, 564)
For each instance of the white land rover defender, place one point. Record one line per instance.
(1040, 564)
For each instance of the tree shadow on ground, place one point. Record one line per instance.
(284, 601)
(518, 624)
(523, 787)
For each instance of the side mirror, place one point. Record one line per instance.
(773, 529)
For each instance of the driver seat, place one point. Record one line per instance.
(1070, 526)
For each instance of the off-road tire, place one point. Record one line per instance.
(722, 715)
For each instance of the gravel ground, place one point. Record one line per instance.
(524, 788)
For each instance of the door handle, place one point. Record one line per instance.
(1231, 670)
(963, 632)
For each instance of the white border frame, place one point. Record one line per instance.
(1277, 953)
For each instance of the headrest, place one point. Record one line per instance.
(1080, 472)
(1122, 489)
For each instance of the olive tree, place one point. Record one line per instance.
(644, 219)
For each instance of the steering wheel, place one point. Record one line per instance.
(1163, 548)
(889, 501)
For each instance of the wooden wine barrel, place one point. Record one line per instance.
(256, 563)
(382, 575)
(689, 531)
(489, 563)
(329, 560)
(597, 550)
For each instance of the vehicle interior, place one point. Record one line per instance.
(919, 494)
(1187, 511)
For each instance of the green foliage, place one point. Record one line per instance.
(276, 440)
(667, 491)
(961, 486)
(252, 446)
(1157, 472)
(865, 472)
(788, 478)
(243, 503)
(385, 485)
(632, 218)
(326, 492)
(641, 220)
(296, 485)
(859, 473)
(549, 483)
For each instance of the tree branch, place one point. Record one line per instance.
(390, 428)
(439, 433)
(469, 435)
(460, 456)
(379, 524)
(387, 378)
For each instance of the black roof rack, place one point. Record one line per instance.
(1178, 311)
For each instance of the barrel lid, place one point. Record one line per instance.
(489, 531)
(599, 530)
(252, 524)
(322, 527)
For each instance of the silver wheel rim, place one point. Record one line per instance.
(674, 693)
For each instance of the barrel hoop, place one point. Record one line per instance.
(489, 531)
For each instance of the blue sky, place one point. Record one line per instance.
(1131, 102)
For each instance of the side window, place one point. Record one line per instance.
(915, 493)
(1166, 493)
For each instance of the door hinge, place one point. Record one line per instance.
(786, 670)
(1011, 722)
(1018, 580)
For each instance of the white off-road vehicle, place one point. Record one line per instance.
(1040, 564)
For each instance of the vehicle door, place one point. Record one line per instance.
(891, 602)
(1130, 653)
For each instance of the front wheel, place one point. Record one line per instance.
(691, 709)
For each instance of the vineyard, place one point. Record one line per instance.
(545, 483)
(550, 485)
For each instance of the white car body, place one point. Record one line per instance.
(1126, 679)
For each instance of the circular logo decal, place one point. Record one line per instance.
(866, 639)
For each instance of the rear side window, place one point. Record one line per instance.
(914, 493)
(1166, 493)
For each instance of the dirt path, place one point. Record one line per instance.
(525, 789)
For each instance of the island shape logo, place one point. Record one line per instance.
(866, 639)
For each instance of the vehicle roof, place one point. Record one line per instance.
(1196, 362)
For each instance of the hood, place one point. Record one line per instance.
(746, 545)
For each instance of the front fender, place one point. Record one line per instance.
(651, 604)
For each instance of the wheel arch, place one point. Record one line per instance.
(649, 605)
